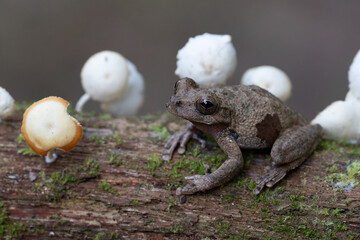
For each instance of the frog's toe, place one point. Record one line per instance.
(259, 187)
(270, 179)
(188, 189)
(183, 141)
(170, 146)
(185, 190)
(194, 184)
(193, 178)
(276, 179)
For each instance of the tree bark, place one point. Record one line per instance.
(113, 186)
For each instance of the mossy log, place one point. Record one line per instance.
(113, 185)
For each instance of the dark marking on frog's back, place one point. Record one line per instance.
(269, 128)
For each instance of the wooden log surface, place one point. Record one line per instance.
(113, 185)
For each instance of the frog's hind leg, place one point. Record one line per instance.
(289, 151)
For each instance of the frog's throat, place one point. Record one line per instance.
(212, 129)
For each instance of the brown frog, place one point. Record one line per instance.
(240, 117)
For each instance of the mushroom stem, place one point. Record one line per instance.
(50, 156)
(81, 102)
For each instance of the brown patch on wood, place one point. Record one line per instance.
(269, 128)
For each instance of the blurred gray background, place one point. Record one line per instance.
(44, 43)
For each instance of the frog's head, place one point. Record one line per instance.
(196, 104)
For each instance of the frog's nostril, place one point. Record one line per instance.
(174, 100)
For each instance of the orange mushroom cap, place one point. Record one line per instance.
(47, 125)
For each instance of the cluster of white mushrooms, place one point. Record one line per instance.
(114, 81)
(341, 119)
(106, 77)
(209, 59)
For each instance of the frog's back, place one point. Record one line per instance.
(258, 116)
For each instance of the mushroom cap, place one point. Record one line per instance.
(209, 59)
(354, 75)
(104, 76)
(47, 125)
(6, 103)
(270, 78)
(355, 103)
(132, 98)
(339, 121)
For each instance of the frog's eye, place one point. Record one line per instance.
(206, 105)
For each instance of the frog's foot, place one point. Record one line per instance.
(180, 139)
(269, 179)
(276, 174)
(289, 151)
(195, 184)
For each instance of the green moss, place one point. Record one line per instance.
(296, 200)
(27, 151)
(154, 162)
(327, 146)
(172, 203)
(22, 106)
(20, 138)
(354, 153)
(99, 236)
(215, 159)
(94, 138)
(91, 167)
(115, 159)
(161, 131)
(346, 180)
(105, 116)
(189, 165)
(246, 183)
(177, 229)
(8, 229)
(267, 197)
(222, 228)
(54, 185)
(105, 186)
(118, 139)
(350, 235)
(292, 227)
(332, 169)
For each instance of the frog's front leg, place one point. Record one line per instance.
(224, 173)
(180, 139)
(289, 151)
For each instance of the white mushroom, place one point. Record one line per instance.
(209, 59)
(47, 125)
(104, 77)
(339, 121)
(270, 78)
(132, 98)
(6, 103)
(354, 76)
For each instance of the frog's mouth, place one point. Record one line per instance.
(179, 109)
